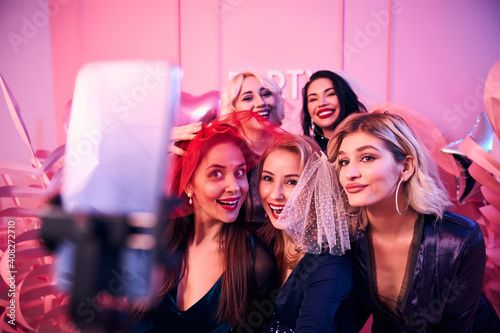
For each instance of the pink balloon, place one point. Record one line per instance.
(202, 108)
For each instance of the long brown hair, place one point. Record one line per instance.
(238, 278)
(238, 281)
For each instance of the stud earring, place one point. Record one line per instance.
(190, 199)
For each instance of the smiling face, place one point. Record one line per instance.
(219, 184)
(368, 172)
(323, 104)
(280, 173)
(255, 97)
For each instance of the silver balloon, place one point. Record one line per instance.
(482, 133)
(466, 186)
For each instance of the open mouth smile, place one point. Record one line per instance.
(264, 113)
(325, 113)
(229, 204)
(276, 210)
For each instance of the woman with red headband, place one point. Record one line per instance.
(219, 277)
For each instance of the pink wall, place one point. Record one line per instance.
(297, 37)
(92, 30)
(26, 65)
(199, 46)
(447, 53)
(433, 59)
(430, 55)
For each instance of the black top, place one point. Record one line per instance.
(322, 141)
(318, 296)
(200, 317)
(441, 291)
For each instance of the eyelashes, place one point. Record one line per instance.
(269, 179)
(240, 173)
(365, 158)
(263, 94)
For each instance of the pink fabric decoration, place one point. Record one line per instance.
(485, 169)
(427, 133)
(492, 96)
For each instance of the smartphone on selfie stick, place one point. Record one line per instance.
(105, 226)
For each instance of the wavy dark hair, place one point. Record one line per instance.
(348, 100)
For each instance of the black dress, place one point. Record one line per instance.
(322, 141)
(200, 317)
(441, 291)
(318, 296)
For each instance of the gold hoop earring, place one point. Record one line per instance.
(397, 195)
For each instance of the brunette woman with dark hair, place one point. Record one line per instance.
(327, 99)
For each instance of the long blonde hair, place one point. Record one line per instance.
(233, 89)
(424, 189)
(303, 147)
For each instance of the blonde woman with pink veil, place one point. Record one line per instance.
(307, 228)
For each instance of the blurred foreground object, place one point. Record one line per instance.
(118, 134)
(105, 230)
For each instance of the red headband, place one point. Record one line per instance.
(252, 132)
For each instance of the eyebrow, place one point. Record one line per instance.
(331, 88)
(286, 176)
(218, 166)
(359, 149)
(251, 92)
